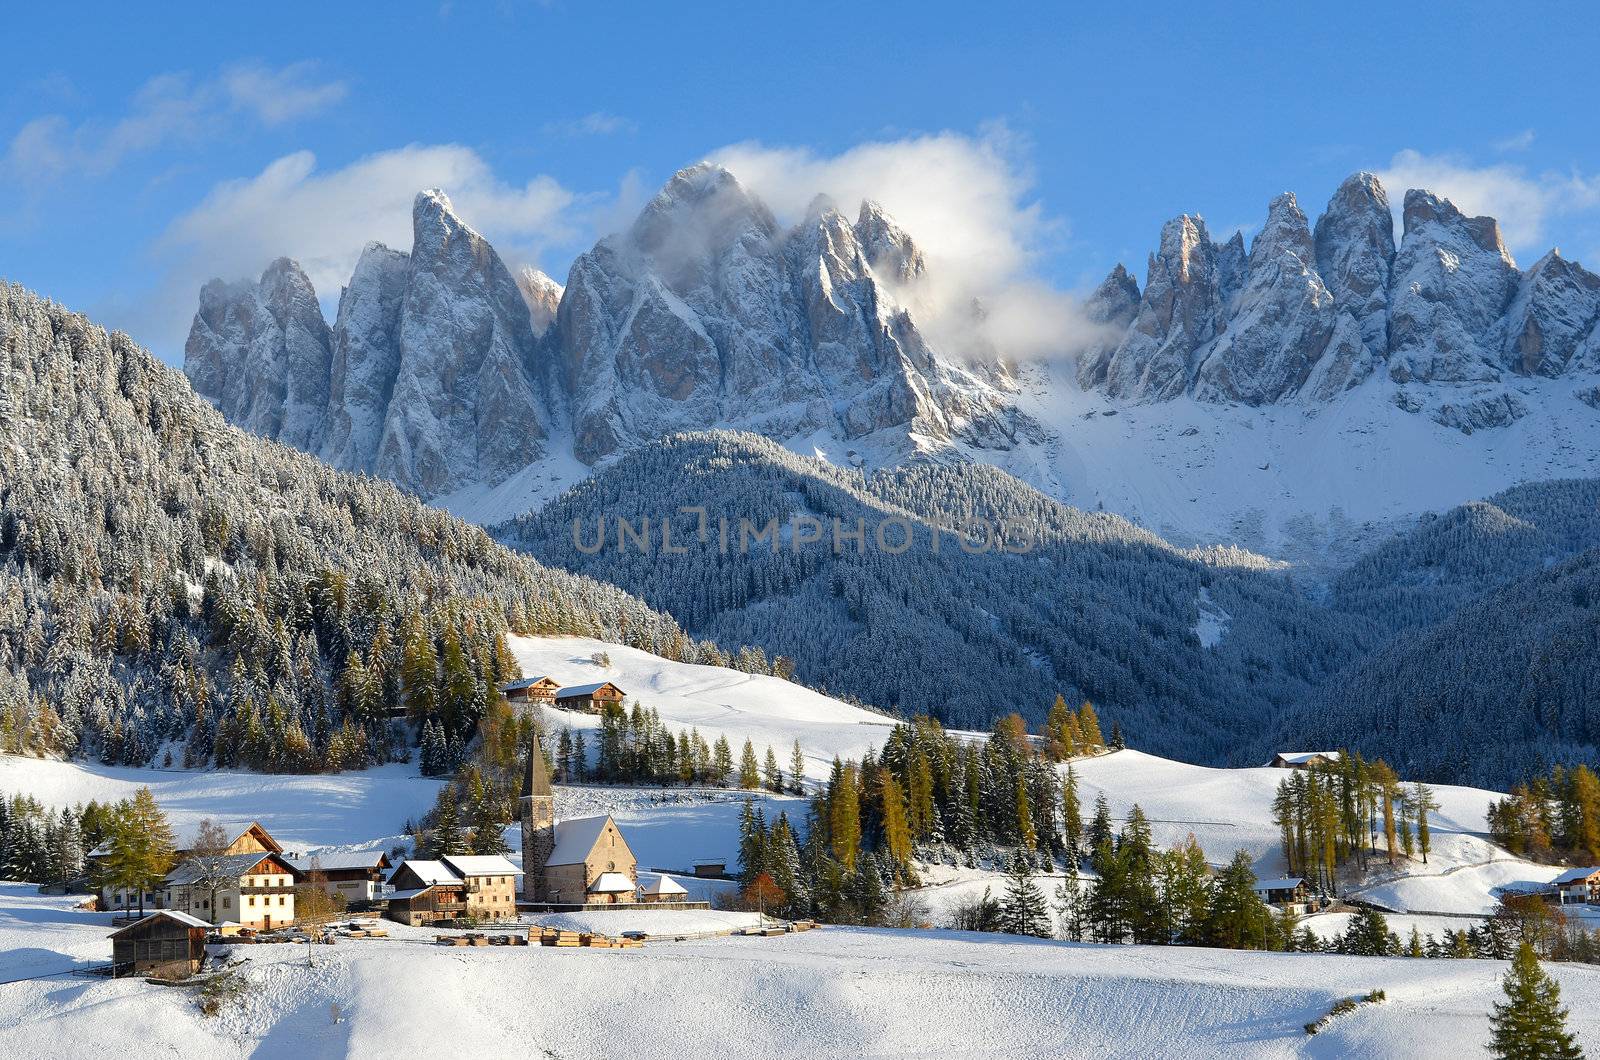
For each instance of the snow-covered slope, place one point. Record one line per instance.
(768, 711)
(834, 992)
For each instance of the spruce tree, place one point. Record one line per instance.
(1023, 910)
(797, 770)
(749, 768)
(1531, 1024)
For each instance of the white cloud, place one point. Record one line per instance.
(966, 201)
(322, 219)
(277, 96)
(1524, 203)
(1519, 142)
(167, 110)
(595, 123)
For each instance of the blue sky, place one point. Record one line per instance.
(140, 154)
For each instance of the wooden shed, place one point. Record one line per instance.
(167, 943)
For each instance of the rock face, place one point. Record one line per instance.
(443, 369)
(705, 313)
(1453, 280)
(1552, 315)
(1283, 322)
(430, 376)
(1309, 315)
(262, 353)
(468, 402)
(366, 357)
(1355, 252)
(1177, 315)
(543, 296)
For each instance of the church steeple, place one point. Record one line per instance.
(538, 810)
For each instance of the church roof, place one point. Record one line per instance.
(611, 883)
(575, 839)
(537, 779)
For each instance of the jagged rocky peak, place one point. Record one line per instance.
(1355, 252)
(1552, 318)
(366, 357)
(261, 352)
(889, 249)
(1178, 313)
(701, 213)
(1110, 308)
(1452, 281)
(1284, 324)
(543, 296)
(469, 402)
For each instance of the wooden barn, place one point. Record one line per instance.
(591, 698)
(541, 690)
(426, 892)
(168, 944)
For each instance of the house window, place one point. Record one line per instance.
(251, 901)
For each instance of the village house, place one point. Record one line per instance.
(356, 876)
(1303, 759)
(590, 698)
(168, 944)
(1289, 892)
(540, 690)
(243, 837)
(426, 892)
(455, 887)
(254, 889)
(1578, 886)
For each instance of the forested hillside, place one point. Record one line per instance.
(1503, 688)
(1194, 651)
(167, 577)
(1447, 560)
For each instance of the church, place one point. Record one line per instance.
(581, 862)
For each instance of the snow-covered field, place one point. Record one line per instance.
(834, 992)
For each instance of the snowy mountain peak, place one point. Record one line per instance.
(261, 352)
(543, 296)
(889, 248)
(1355, 251)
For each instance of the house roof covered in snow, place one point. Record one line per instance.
(187, 837)
(480, 865)
(171, 914)
(526, 682)
(428, 872)
(407, 895)
(192, 870)
(611, 883)
(583, 690)
(1282, 883)
(575, 838)
(341, 859)
(1575, 875)
(664, 884)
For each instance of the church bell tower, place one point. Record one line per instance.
(538, 809)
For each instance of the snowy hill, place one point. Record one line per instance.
(834, 992)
